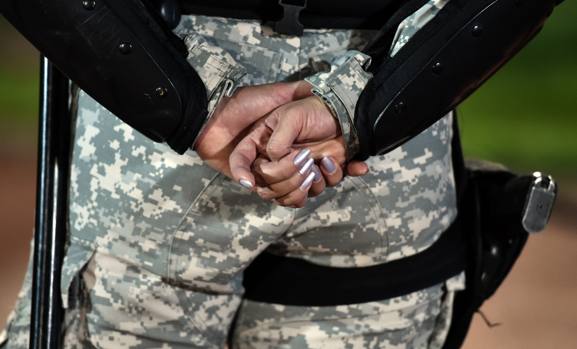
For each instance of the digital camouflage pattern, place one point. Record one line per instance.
(216, 68)
(340, 89)
(158, 241)
(414, 22)
(412, 321)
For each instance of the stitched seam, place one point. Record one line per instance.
(365, 187)
(170, 262)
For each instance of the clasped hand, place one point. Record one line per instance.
(278, 140)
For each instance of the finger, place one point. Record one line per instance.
(334, 148)
(244, 155)
(357, 168)
(297, 198)
(319, 184)
(259, 180)
(331, 171)
(293, 183)
(261, 99)
(286, 123)
(276, 171)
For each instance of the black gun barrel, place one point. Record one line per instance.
(51, 207)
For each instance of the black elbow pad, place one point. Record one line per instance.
(441, 65)
(122, 56)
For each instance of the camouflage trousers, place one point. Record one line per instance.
(158, 242)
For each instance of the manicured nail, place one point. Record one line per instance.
(317, 173)
(301, 156)
(306, 167)
(308, 182)
(245, 183)
(328, 165)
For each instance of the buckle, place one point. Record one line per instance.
(290, 23)
(539, 203)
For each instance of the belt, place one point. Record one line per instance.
(292, 16)
(293, 281)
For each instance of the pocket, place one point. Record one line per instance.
(77, 257)
(200, 246)
(203, 195)
(129, 193)
(343, 227)
(224, 230)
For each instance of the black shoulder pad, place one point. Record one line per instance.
(120, 54)
(448, 59)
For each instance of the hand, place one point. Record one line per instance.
(285, 179)
(235, 115)
(290, 180)
(296, 177)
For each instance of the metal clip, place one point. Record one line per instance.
(290, 23)
(539, 203)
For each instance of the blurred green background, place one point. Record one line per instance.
(525, 116)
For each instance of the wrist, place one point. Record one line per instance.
(217, 69)
(340, 89)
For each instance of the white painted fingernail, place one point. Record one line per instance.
(305, 186)
(329, 165)
(301, 156)
(306, 167)
(317, 173)
(246, 183)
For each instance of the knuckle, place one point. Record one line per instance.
(333, 181)
(274, 147)
(294, 198)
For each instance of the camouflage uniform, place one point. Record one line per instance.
(158, 241)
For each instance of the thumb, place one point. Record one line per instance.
(244, 155)
(357, 168)
(302, 89)
(286, 126)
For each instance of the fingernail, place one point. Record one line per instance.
(301, 156)
(317, 173)
(245, 183)
(328, 165)
(308, 182)
(306, 167)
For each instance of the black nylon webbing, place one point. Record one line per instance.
(293, 281)
(359, 14)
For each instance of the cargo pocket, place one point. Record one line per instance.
(224, 230)
(77, 257)
(343, 227)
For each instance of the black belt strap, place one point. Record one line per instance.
(315, 14)
(293, 281)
